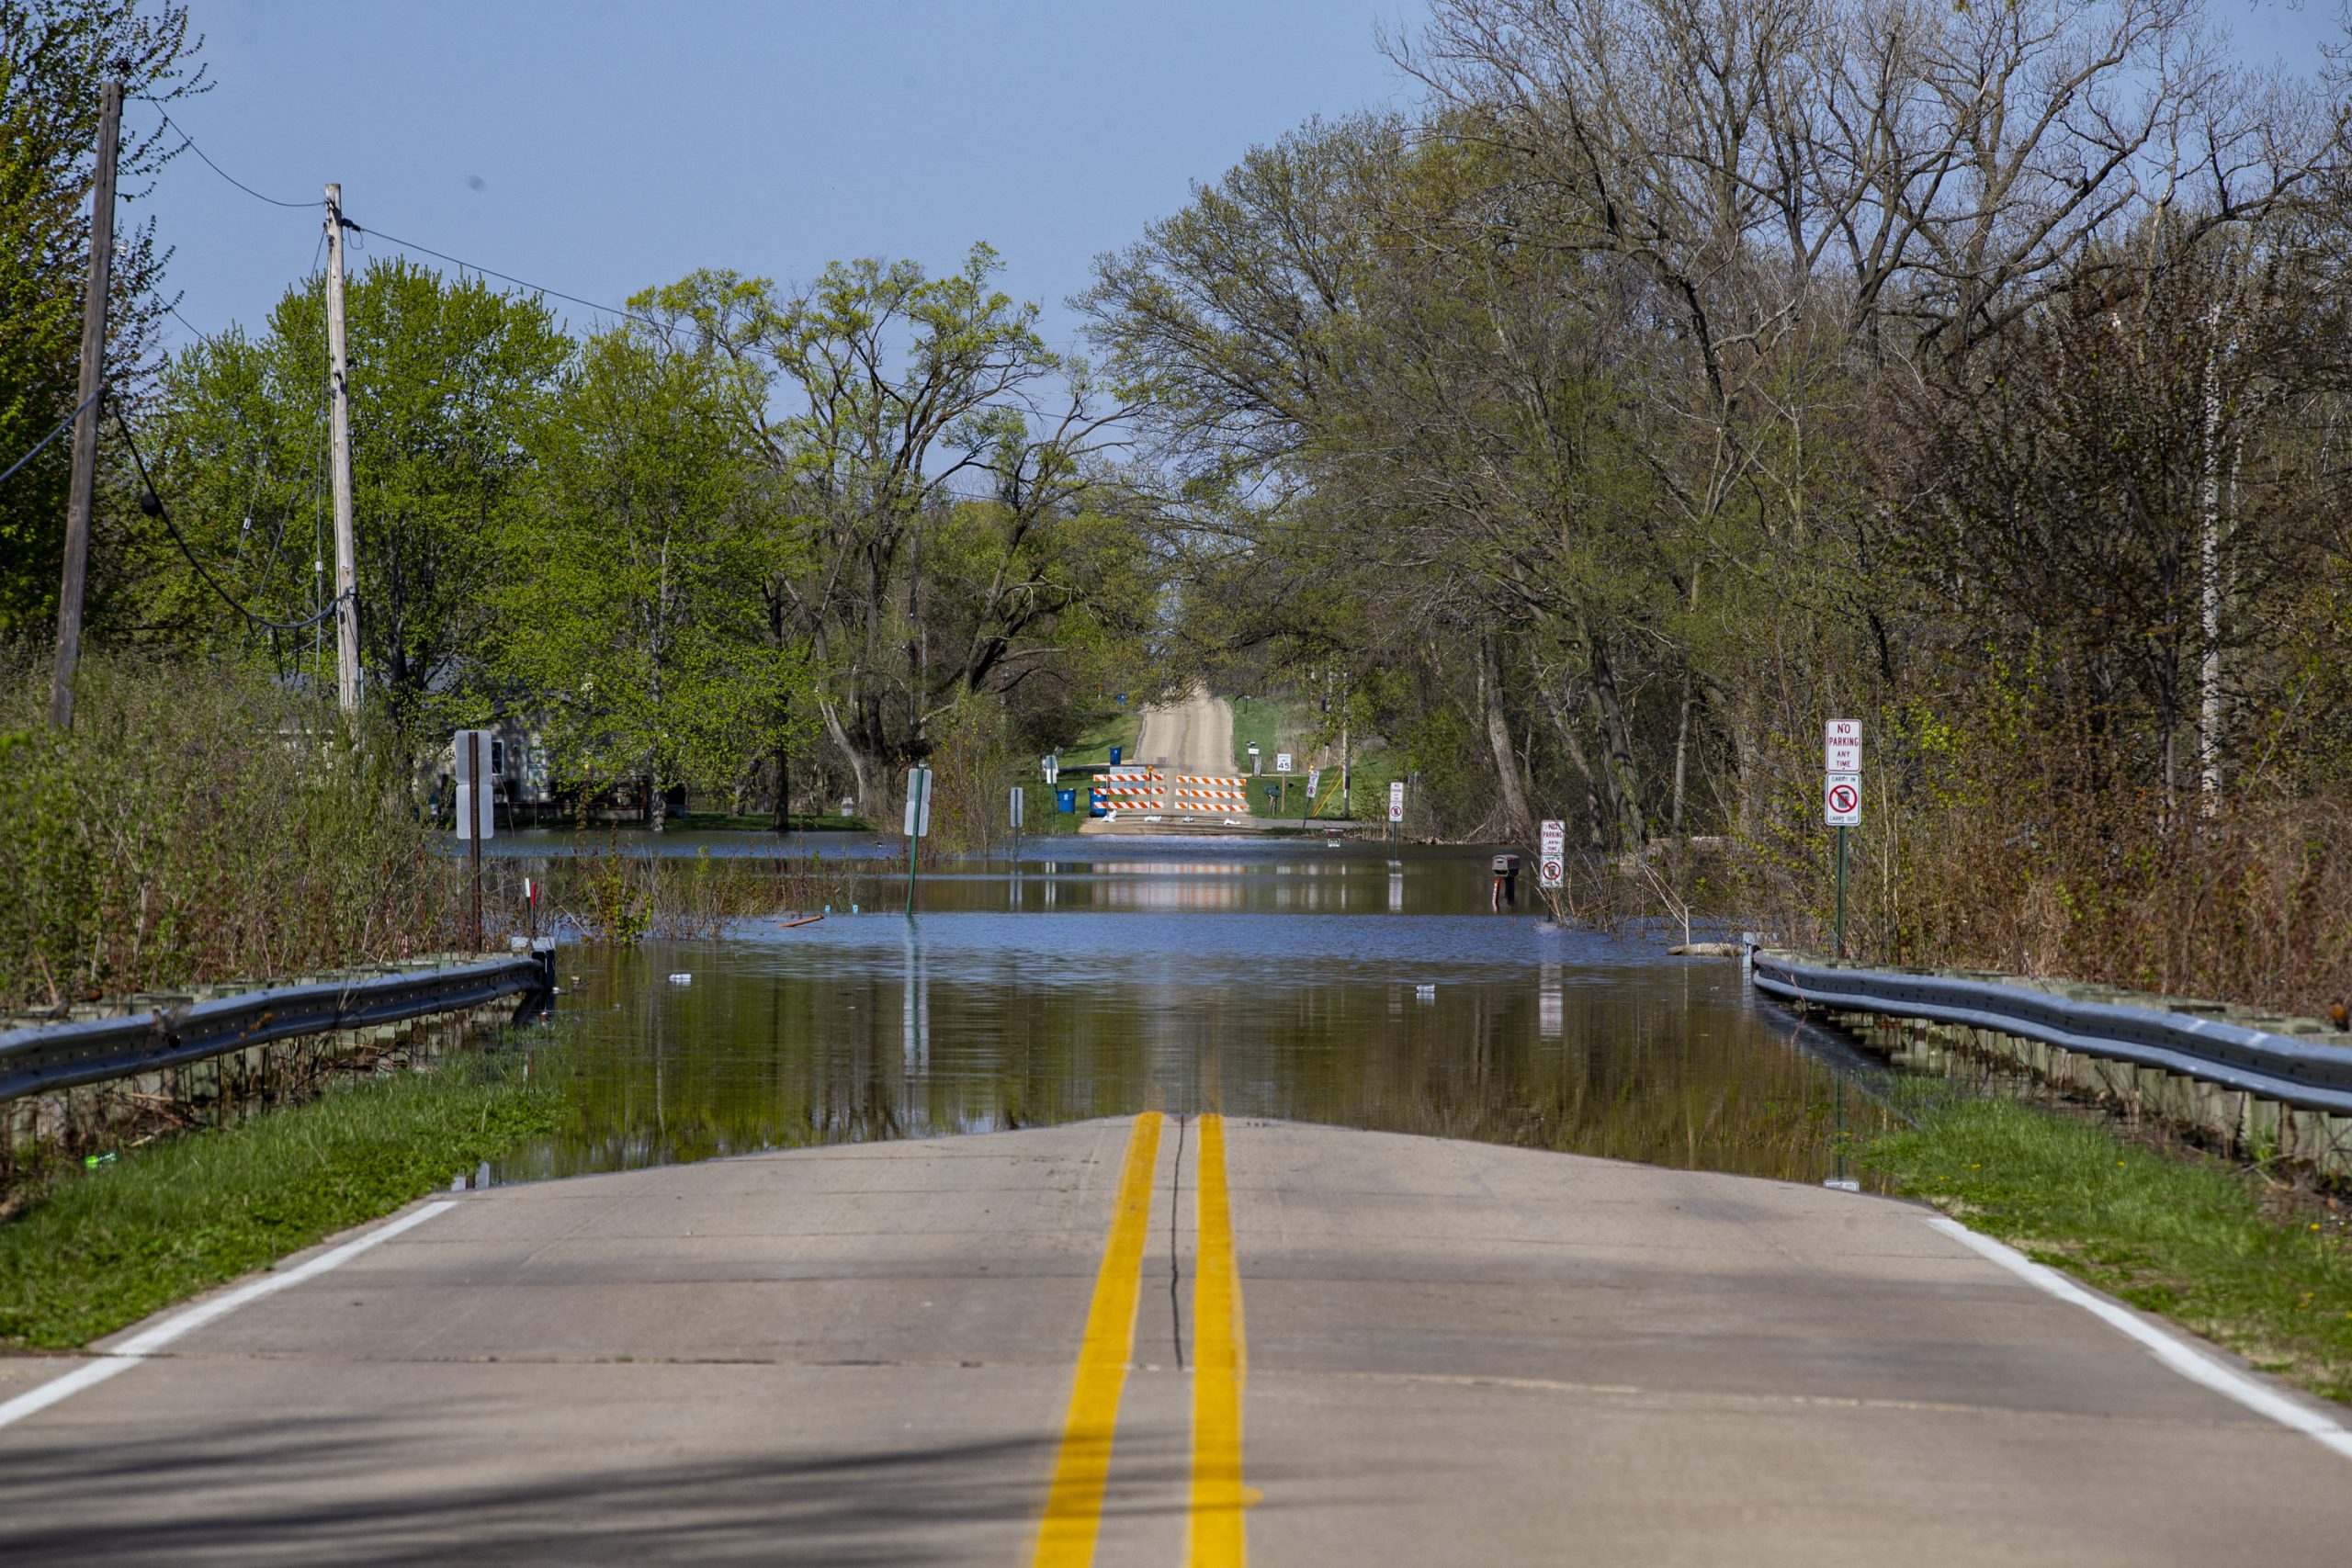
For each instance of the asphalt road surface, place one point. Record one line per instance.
(1195, 735)
(1157, 1340)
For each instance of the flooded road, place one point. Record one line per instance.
(1304, 982)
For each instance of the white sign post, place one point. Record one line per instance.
(1314, 779)
(1551, 855)
(917, 826)
(1841, 797)
(1020, 798)
(1052, 768)
(917, 822)
(1396, 800)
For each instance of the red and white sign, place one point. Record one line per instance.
(1552, 860)
(1841, 746)
(1841, 800)
(1396, 800)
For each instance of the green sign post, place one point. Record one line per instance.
(917, 826)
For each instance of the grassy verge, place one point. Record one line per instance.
(1368, 784)
(105, 1248)
(2193, 1238)
(1273, 725)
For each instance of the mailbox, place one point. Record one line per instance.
(1506, 888)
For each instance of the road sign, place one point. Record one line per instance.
(1841, 746)
(1841, 800)
(918, 802)
(1314, 784)
(1282, 762)
(1020, 799)
(1396, 800)
(1052, 768)
(477, 815)
(1552, 858)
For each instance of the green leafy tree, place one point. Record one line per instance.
(945, 471)
(448, 382)
(54, 55)
(632, 621)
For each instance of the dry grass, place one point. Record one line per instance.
(2007, 857)
(197, 824)
(613, 896)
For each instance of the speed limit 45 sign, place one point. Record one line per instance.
(1841, 800)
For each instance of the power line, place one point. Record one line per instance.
(61, 428)
(190, 142)
(460, 262)
(160, 510)
(463, 264)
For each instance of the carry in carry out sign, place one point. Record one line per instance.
(1841, 800)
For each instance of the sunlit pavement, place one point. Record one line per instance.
(1376, 1348)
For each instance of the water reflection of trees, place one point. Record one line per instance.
(1645, 1065)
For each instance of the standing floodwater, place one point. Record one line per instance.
(1309, 983)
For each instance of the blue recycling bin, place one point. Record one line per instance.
(1066, 800)
(1114, 755)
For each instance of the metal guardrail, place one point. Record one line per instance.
(2276, 1066)
(46, 1057)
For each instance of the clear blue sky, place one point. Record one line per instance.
(601, 148)
(598, 147)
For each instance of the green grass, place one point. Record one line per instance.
(1274, 725)
(104, 1248)
(1368, 789)
(1113, 726)
(2184, 1236)
(1278, 725)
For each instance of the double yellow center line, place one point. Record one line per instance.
(1074, 1503)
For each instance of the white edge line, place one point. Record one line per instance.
(2174, 1352)
(128, 1354)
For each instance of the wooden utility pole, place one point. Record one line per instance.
(347, 549)
(79, 500)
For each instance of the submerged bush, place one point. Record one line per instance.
(198, 823)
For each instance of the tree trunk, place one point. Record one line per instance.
(1681, 753)
(864, 773)
(1617, 752)
(783, 790)
(1518, 819)
(656, 805)
(2209, 560)
(1564, 722)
